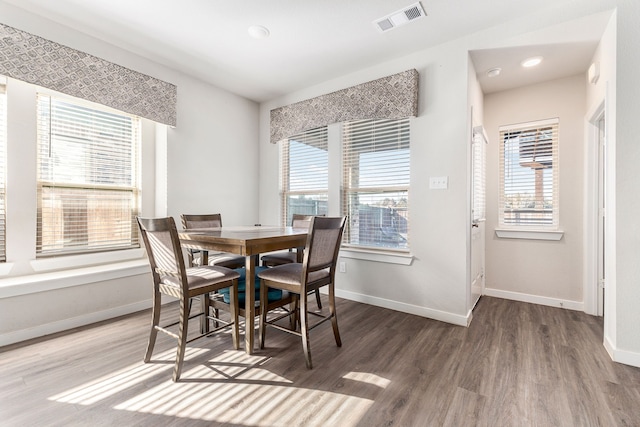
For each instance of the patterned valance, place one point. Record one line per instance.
(32, 59)
(392, 97)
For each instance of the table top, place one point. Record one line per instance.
(244, 240)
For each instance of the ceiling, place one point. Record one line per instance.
(311, 41)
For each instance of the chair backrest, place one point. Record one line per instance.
(161, 240)
(301, 221)
(201, 221)
(323, 244)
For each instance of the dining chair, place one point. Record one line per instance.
(171, 277)
(210, 221)
(279, 258)
(317, 270)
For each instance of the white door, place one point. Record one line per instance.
(478, 210)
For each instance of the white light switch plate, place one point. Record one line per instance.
(439, 182)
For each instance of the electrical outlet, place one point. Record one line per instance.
(343, 267)
(438, 182)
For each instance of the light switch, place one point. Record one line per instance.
(439, 182)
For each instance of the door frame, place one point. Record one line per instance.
(592, 243)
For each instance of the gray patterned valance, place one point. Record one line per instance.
(392, 97)
(32, 59)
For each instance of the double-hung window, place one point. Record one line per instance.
(529, 175)
(376, 177)
(304, 174)
(88, 178)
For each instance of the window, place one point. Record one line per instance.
(479, 162)
(529, 175)
(3, 148)
(88, 192)
(305, 174)
(376, 180)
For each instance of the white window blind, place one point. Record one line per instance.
(376, 181)
(304, 174)
(3, 150)
(88, 192)
(479, 151)
(529, 175)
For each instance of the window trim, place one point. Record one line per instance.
(3, 169)
(321, 135)
(529, 234)
(134, 189)
(534, 229)
(346, 156)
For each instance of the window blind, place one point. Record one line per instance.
(376, 160)
(305, 174)
(529, 175)
(479, 150)
(3, 150)
(88, 192)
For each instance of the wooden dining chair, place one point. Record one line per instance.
(210, 221)
(171, 277)
(279, 258)
(317, 270)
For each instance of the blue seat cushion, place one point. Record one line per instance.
(272, 294)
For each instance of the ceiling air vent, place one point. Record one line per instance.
(401, 17)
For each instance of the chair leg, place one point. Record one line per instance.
(233, 300)
(304, 329)
(216, 315)
(334, 316)
(155, 321)
(293, 317)
(204, 307)
(263, 312)
(318, 299)
(182, 338)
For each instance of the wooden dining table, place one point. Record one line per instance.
(249, 241)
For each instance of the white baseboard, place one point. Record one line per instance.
(442, 316)
(622, 356)
(534, 299)
(74, 322)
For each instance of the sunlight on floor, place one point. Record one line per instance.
(107, 386)
(369, 378)
(232, 387)
(260, 400)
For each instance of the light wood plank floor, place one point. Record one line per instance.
(516, 365)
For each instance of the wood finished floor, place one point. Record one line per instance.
(517, 364)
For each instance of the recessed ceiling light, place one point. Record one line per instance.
(494, 72)
(259, 32)
(531, 62)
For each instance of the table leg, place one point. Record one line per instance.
(250, 304)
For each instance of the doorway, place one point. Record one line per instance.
(595, 203)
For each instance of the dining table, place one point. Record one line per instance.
(249, 241)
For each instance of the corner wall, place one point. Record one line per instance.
(548, 272)
(211, 162)
(625, 343)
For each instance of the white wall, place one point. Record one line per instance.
(436, 285)
(625, 344)
(212, 155)
(539, 268)
(212, 125)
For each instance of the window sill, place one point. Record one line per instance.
(529, 234)
(401, 258)
(34, 283)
